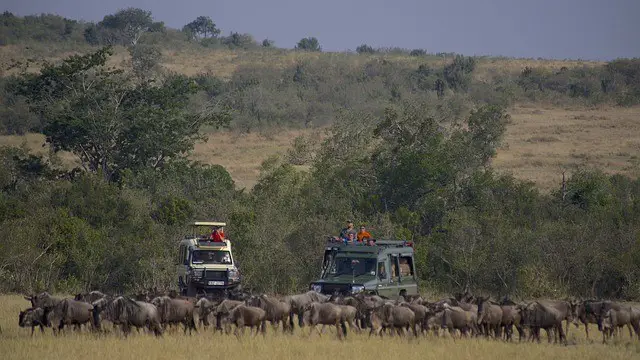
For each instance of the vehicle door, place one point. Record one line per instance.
(386, 285)
(407, 274)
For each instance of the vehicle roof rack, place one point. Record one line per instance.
(383, 243)
(208, 223)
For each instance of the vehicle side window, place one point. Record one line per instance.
(382, 271)
(395, 272)
(180, 258)
(185, 256)
(406, 265)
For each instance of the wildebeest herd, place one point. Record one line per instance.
(462, 315)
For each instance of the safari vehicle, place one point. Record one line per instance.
(386, 269)
(204, 265)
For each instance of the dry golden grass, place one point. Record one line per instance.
(16, 343)
(541, 143)
(243, 154)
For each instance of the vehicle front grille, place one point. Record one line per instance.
(331, 288)
(215, 275)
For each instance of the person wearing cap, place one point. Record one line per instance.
(344, 234)
(363, 234)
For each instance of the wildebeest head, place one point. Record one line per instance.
(42, 300)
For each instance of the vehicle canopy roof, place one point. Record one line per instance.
(380, 246)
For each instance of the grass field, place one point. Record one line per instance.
(16, 343)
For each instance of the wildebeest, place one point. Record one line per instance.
(298, 303)
(246, 316)
(511, 318)
(457, 318)
(127, 313)
(540, 315)
(325, 314)
(421, 313)
(33, 317)
(617, 316)
(489, 317)
(176, 311)
(584, 312)
(276, 311)
(204, 307)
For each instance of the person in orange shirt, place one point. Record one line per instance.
(363, 234)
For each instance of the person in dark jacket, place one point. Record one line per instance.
(344, 234)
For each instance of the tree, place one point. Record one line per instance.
(309, 44)
(202, 26)
(267, 43)
(111, 122)
(365, 49)
(130, 24)
(236, 40)
(458, 73)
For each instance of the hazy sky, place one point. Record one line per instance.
(586, 29)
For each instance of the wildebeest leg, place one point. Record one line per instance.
(521, 333)
(508, 332)
(33, 329)
(586, 329)
(354, 324)
(562, 335)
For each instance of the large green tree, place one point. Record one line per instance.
(128, 25)
(110, 121)
(202, 26)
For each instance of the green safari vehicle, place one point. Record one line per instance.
(386, 268)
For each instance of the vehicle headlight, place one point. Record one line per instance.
(316, 287)
(234, 275)
(197, 273)
(357, 289)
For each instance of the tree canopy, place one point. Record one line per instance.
(111, 122)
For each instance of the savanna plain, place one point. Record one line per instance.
(16, 343)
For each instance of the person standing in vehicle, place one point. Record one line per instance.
(363, 234)
(344, 234)
(217, 235)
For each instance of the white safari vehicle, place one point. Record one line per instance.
(205, 265)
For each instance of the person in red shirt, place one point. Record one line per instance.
(217, 235)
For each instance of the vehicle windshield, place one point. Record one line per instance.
(210, 257)
(352, 266)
